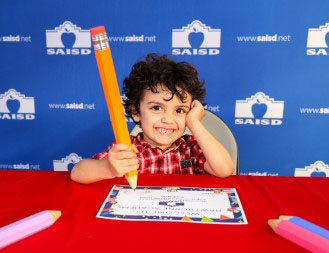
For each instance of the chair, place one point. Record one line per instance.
(218, 128)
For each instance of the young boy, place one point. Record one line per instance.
(163, 97)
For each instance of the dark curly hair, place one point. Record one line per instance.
(179, 77)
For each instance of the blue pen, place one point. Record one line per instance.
(306, 225)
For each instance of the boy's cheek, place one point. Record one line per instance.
(184, 122)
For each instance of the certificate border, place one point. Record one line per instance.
(106, 210)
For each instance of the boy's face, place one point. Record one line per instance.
(162, 121)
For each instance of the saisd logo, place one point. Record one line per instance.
(318, 40)
(67, 163)
(196, 39)
(14, 105)
(318, 169)
(259, 109)
(68, 39)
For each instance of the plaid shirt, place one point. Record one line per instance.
(183, 157)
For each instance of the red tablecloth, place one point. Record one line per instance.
(24, 193)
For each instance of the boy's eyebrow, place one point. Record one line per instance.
(155, 102)
(159, 103)
(185, 106)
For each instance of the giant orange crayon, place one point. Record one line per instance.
(112, 93)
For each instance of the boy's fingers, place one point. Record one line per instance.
(123, 170)
(120, 147)
(128, 162)
(134, 148)
(132, 167)
(196, 103)
(123, 147)
(123, 155)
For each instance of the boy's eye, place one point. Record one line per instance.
(156, 108)
(180, 110)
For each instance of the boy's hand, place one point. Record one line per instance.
(122, 159)
(195, 114)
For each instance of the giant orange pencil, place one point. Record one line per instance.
(112, 93)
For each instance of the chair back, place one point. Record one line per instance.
(219, 129)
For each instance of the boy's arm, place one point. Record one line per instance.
(90, 170)
(120, 161)
(219, 162)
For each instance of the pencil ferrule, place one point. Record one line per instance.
(100, 41)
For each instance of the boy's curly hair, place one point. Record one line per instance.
(179, 77)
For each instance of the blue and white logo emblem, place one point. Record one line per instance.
(316, 40)
(14, 105)
(317, 169)
(68, 39)
(67, 163)
(259, 109)
(196, 39)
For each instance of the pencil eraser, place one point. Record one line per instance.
(97, 30)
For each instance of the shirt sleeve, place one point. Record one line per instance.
(102, 155)
(197, 157)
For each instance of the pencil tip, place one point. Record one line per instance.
(132, 178)
(56, 214)
(273, 223)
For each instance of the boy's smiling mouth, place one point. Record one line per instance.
(162, 130)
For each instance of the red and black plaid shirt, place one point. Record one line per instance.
(183, 157)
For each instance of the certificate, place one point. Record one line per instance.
(183, 204)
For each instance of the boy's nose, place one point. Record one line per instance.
(167, 118)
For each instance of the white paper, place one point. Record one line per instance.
(185, 204)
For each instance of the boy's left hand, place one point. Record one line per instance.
(195, 114)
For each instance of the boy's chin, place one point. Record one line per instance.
(167, 143)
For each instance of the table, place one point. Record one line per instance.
(24, 193)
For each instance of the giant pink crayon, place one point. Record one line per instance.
(302, 237)
(27, 226)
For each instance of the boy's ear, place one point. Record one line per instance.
(136, 117)
(134, 114)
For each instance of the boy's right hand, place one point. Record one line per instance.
(122, 159)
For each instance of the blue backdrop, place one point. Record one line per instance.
(265, 63)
